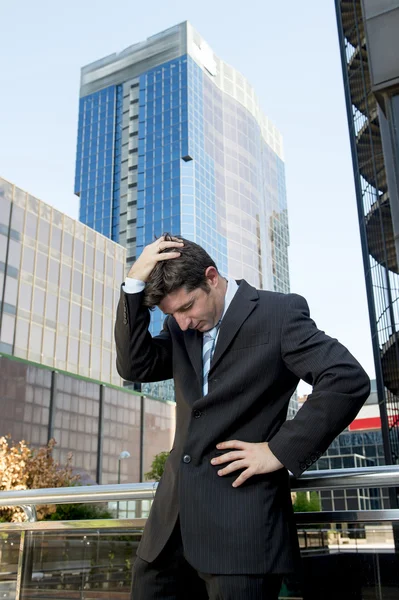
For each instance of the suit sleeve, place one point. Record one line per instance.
(139, 356)
(340, 388)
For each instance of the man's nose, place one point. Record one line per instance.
(183, 321)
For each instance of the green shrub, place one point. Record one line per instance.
(157, 466)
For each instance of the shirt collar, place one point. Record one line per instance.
(231, 290)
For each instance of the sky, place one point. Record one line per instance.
(288, 51)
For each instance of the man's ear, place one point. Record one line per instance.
(212, 276)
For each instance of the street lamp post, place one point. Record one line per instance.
(123, 454)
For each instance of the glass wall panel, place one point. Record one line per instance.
(14, 253)
(22, 386)
(159, 428)
(7, 329)
(121, 432)
(76, 414)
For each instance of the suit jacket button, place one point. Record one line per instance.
(197, 414)
(187, 458)
(308, 462)
(302, 466)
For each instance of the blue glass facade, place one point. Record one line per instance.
(190, 153)
(174, 193)
(98, 158)
(163, 140)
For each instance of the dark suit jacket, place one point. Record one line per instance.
(267, 342)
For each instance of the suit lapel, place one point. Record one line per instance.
(193, 341)
(243, 303)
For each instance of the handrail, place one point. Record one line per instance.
(77, 494)
(302, 519)
(366, 477)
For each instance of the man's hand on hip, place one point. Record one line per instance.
(152, 254)
(256, 459)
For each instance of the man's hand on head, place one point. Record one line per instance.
(256, 459)
(151, 255)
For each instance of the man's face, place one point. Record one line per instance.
(194, 310)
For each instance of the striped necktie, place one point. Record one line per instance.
(208, 346)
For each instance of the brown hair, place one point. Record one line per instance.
(187, 271)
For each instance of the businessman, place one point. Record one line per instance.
(221, 525)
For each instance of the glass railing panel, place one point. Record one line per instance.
(356, 561)
(9, 557)
(93, 560)
(84, 565)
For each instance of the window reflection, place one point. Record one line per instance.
(31, 225)
(41, 265)
(86, 320)
(28, 260)
(10, 294)
(17, 218)
(49, 341)
(3, 248)
(75, 316)
(4, 209)
(7, 329)
(51, 307)
(14, 253)
(77, 282)
(88, 287)
(38, 301)
(89, 260)
(25, 296)
(44, 232)
(73, 347)
(63, 311)
(35, 338)
(56, 238)
(53, 271)
(78, 256)
(22, 333)
(99, 261)
(65, 282)
(61, 347)
(67, 244)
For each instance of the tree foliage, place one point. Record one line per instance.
(76, 512)
(157, 466)
(25, 468)
(305, 502)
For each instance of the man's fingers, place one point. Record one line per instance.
(235, 444)
(168, 255)
(234, 466)
(229, 456)
(243, 477)
(165, 245)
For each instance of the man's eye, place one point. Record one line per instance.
(186, 307)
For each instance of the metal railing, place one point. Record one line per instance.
(89, 559)
(363, 478)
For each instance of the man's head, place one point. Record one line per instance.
(188, 287)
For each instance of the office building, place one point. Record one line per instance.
(171, 138)
(59, 288)
(59, 285)
(369, 45)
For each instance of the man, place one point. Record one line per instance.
(221, 525)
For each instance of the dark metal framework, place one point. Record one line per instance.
(375, 221)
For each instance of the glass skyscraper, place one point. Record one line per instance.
(172, 139)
